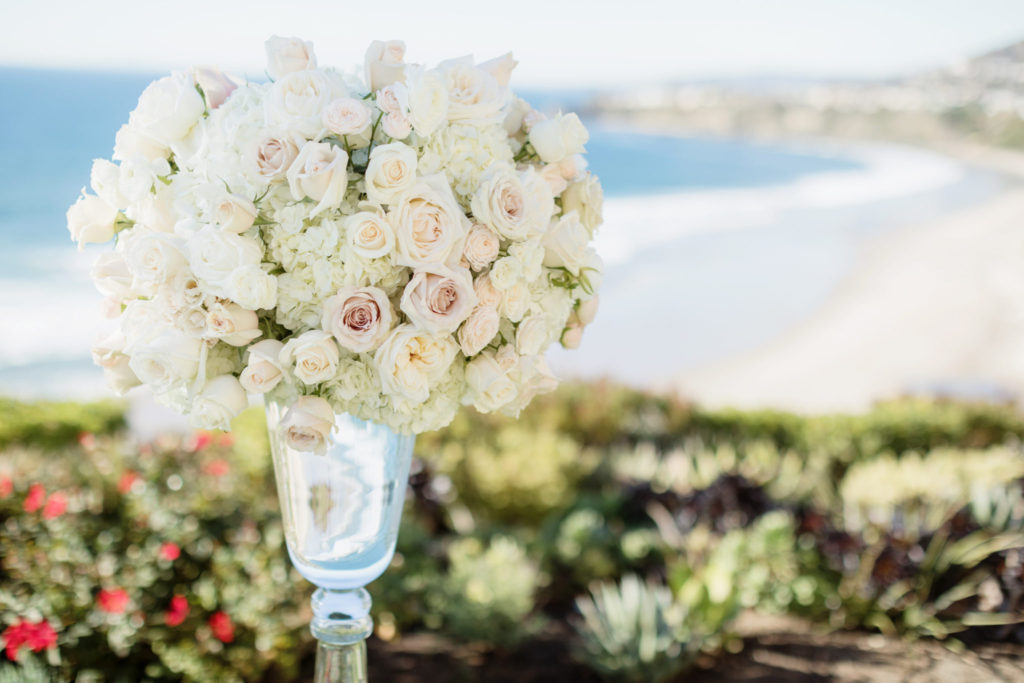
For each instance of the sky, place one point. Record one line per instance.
(559, 43)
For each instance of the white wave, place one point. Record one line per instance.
(633, 224)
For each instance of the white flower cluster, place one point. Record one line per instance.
(391, 244)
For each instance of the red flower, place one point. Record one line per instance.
(37, 636)
(86, 440)
(226, 440)
(177, 612)
(170, 551)
(6, 486)
(113, 600)
(35, 497)
(223, 629)
(217, 468)
(56, 506)
(128, 479)
(199, 441)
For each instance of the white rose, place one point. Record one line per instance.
(430, 228)
(505, 273)
(107, 349)
(347, 116)
(314, 356)
(296, 102)
(396, 126)
(232, 324)
(215, 84)
(587, 310)
(218, 403)
(565, 243)
(558, 138)
(532, 335)
(391, 171)
(478, 330)
(572, 335)
(540, 199)
(235, 213)
(252, 287)
(287, 55)
(437, 298)
(500, 202)
(410, 360)
(369, 234)
(213, 255)
(273, 155)
(307, 425)
(168, 109)
(473, 94)
(501, 68)
(515, 302)
(167, 359)
(572, 167)
(530, 255)
(383, 63)
(105, 181)
(586, 198)
(91, 220)
(482, 247)
(428, 101)
(358, 317)
(184, 290)
(263, 371)
(486, 293)
(552, 174)
(111, 276)
(156, 210)
(153, 257)
(130, 143)
(488, 385)
(192, 321)
(136, 176)
(321, 173)
(119, 375)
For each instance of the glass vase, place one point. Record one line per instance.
(341, 512)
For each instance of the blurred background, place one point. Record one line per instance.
(798, 409)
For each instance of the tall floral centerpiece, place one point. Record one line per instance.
(362, 252)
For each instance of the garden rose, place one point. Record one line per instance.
(437, 299)
(274, 154)
(307, 425)
(383, 63)
(263, 370)
(473, 94)
(479, 329)
(296, 102)
(347, 116)
(428, 101)
(429, 226)
(482, 246)
(319, 172)
(220, 401)
(369, 234)
(358, 317)
(410, 360)
(287, 55)
(391, 171)
(312, 356)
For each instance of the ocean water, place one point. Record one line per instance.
(712, 245)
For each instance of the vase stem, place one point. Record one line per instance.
(341, 625)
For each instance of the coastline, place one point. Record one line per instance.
(935, 307)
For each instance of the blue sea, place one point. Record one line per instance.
(713, 246)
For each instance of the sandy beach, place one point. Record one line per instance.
(934, 308)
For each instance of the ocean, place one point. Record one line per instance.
(712, 246)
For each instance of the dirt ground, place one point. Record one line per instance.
(774, 650)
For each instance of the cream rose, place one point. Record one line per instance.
(410, 360)
(92, 221)
(391, 171)
(263, 371)
(383, 63)
(430, 228)
(119, 376)
(587, 310)
(437, 298)
(572, 335)
(486, 293)
(252, 287)
(396, 126)
(347, 116)
(532, 335)
(111, 276)
(482, 246)
(213, 255)
(218, 403)
(307, 425)
(274, 155)
(565, 243)
(105, 181)
(369, 234)
(586, 198)
(288, 55)
(153, 257)
(552, 175)
(235, 213)
(321, 173)
(168, 109)
(488, 385)
(505, 273)
(130, 144)
(167, 359)
(500, 68)
(473, 94)
(358, 317)
(479, 329)
(515, 302)
(428, 101)
(215, 84)
(558, 138)
(232, 324)
(296, 102)
(313, 355)
(192, 321)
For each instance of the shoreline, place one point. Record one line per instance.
(931, 308)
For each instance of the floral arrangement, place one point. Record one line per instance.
(392, 242)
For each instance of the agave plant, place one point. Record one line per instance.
(633, 631)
